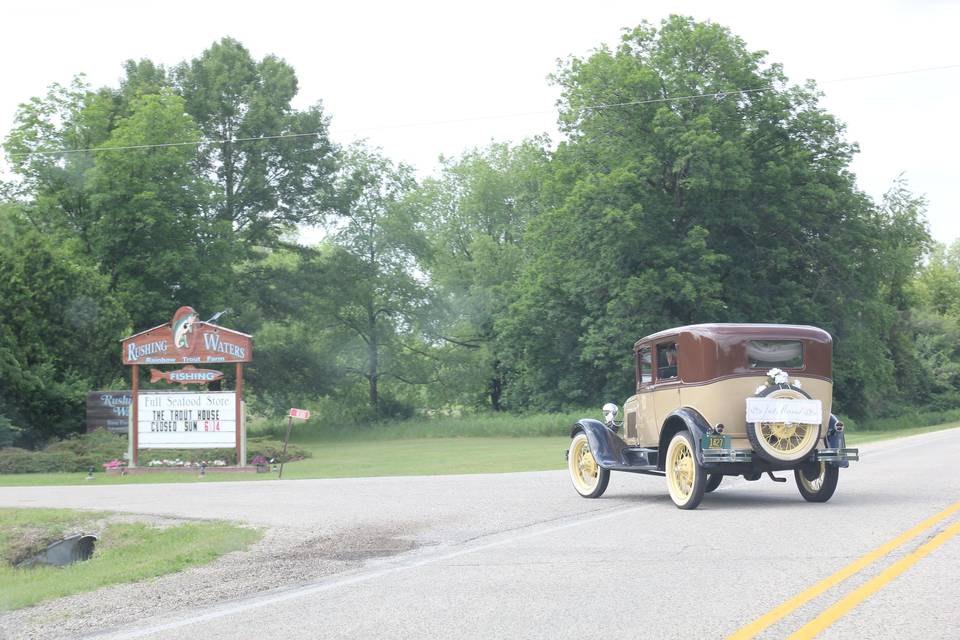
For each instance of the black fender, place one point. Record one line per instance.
(678, 420)
(836, 440)
(605, 445)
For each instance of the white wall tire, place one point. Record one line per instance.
(589, 479)
(686, 479)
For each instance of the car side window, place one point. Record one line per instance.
(666, 360)
(644, 365)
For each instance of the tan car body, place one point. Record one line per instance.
(714, 377)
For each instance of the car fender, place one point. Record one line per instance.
(605, 445)
(678, 420)
(836, 440)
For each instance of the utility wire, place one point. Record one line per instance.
(718, 95)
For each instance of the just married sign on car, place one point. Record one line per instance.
(784, 410)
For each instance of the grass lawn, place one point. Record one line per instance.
(125, 552)
(429, 456)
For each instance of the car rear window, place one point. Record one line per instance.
(763, 354)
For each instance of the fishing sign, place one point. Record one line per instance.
(187, 340)
(188, 375)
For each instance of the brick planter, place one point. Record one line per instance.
(194, 470)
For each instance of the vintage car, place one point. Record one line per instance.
(715, 400)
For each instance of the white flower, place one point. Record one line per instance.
(797, 384)
(773, 373)
(781, 377)
(760, 388)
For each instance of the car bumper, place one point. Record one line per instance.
(711, 456)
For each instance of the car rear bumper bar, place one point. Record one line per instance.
(836, 455)
(727, 455)
(746, 455)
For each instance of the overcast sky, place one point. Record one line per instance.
(420, 79)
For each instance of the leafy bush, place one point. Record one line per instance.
(274, 449)
(15, 460)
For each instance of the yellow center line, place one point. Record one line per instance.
(778, 613)
(843, 606)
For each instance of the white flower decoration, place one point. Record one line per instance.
(781, 377)
(760, 388)
(797, 384)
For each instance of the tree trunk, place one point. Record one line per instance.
(373, 361)
(229, 180)
(496, 388)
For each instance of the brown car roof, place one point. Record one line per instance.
(721, 332)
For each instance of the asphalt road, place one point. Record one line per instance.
(522, 556)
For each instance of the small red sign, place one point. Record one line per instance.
(303, 414)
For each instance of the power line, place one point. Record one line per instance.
(716, 95)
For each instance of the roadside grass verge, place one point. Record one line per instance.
(125, 552)
(857, 438)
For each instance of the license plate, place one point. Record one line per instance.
(715, 442)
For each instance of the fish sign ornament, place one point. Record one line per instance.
(188, 375)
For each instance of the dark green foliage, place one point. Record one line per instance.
(15, 460)
(90, 449)
(75, 453)
(667, 210)
(59, 335)
(264, 186)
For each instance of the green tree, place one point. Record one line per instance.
(151, 232)
(60, 332)
(695, 185)
(477, 212)
(370, 283)
(272, 163)
(935, 321)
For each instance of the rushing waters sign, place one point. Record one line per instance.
(177, 420)
(187, 340)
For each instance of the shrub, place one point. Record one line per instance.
(15, 460)
(273, 449)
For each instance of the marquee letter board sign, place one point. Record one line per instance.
(176, 420)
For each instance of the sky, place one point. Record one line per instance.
(421, 79)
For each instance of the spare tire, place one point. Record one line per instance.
(783, 441)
